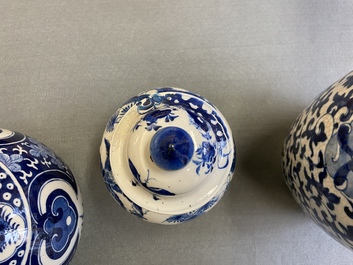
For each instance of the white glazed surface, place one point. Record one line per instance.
(194, 189)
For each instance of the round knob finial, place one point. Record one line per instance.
(171, 148)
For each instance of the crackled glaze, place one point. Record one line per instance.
(40, 204)
(318, 160)
(195, 165)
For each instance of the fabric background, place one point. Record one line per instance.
(66, 66)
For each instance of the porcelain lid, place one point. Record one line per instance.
(170, 151)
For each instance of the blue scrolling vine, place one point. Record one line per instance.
(304, 155)
(163, 103)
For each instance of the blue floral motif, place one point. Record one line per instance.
(206, 155)
(152, 126)
(8, 230)
(40, 150)
(12, 161)
(170, 117)
(13, 225)
(151, 118)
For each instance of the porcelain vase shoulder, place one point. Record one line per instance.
(318, 160)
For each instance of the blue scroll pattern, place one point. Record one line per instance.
(40, 205)
(317, 160)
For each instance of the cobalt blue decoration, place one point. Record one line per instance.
(41, 210)
(171, 148)
(318, 160)
(167, 155)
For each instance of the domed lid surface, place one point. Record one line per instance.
(167, 151)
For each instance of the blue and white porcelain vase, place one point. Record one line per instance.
(318, 160)
(167, 155)
(40, 204)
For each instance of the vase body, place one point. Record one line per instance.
(318, 160)
(41, 210)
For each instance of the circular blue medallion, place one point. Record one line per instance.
(171, 148)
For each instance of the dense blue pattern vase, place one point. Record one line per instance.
(318, 160)
(167, 155)
(41, 210)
